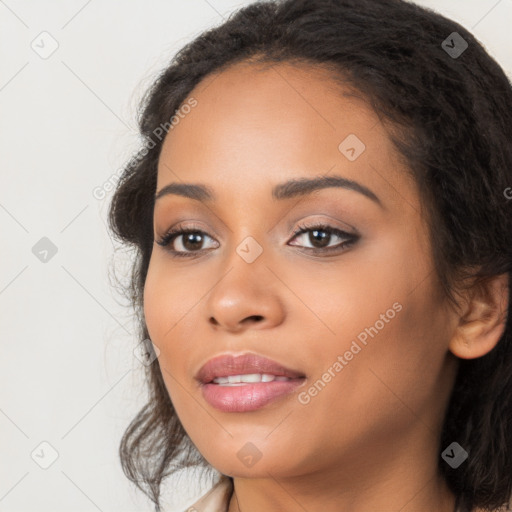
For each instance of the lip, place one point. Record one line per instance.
(249, 396)
(228, 364)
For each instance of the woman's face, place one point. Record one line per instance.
(360, 315)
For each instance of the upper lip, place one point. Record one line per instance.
(228, 364)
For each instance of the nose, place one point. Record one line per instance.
(247, 296)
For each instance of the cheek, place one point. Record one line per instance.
(165, 313)
(381, 311)
(347, 296)
(169, 299)
(166, 307)
(172, 305)
(155, 305)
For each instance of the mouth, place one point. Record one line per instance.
(244, 369)
(250, 378)
(247, 382)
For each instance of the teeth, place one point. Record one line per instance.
(240, 380)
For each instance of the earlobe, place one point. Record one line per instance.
(483, 322)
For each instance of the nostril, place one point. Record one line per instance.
(256, 318)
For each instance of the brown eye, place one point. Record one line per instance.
(182, 242)
(190, 241)
(320, 237)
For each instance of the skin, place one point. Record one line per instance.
(369, 439)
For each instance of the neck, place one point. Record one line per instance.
(399, 480)
(275, 497)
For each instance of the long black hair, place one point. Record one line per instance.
(450, 106)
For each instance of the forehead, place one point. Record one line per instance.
(255, 125)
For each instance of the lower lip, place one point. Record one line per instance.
(248, 397)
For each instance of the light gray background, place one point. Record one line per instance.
(67, 124)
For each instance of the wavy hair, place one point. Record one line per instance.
(451, 120)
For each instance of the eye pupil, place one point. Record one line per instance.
(195, 239)
(314, 237)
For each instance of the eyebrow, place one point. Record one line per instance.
(286, 190)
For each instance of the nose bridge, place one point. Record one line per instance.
(244, 289)
(251, 237)
(245, 267)
(249, 234)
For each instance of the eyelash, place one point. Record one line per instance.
(174, 233)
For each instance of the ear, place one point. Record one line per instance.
(483, 319)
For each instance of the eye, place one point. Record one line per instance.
(321, 235)
(189, 240)
(184, 242)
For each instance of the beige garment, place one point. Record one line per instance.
(216, 499)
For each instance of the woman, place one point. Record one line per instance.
(323, 238)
